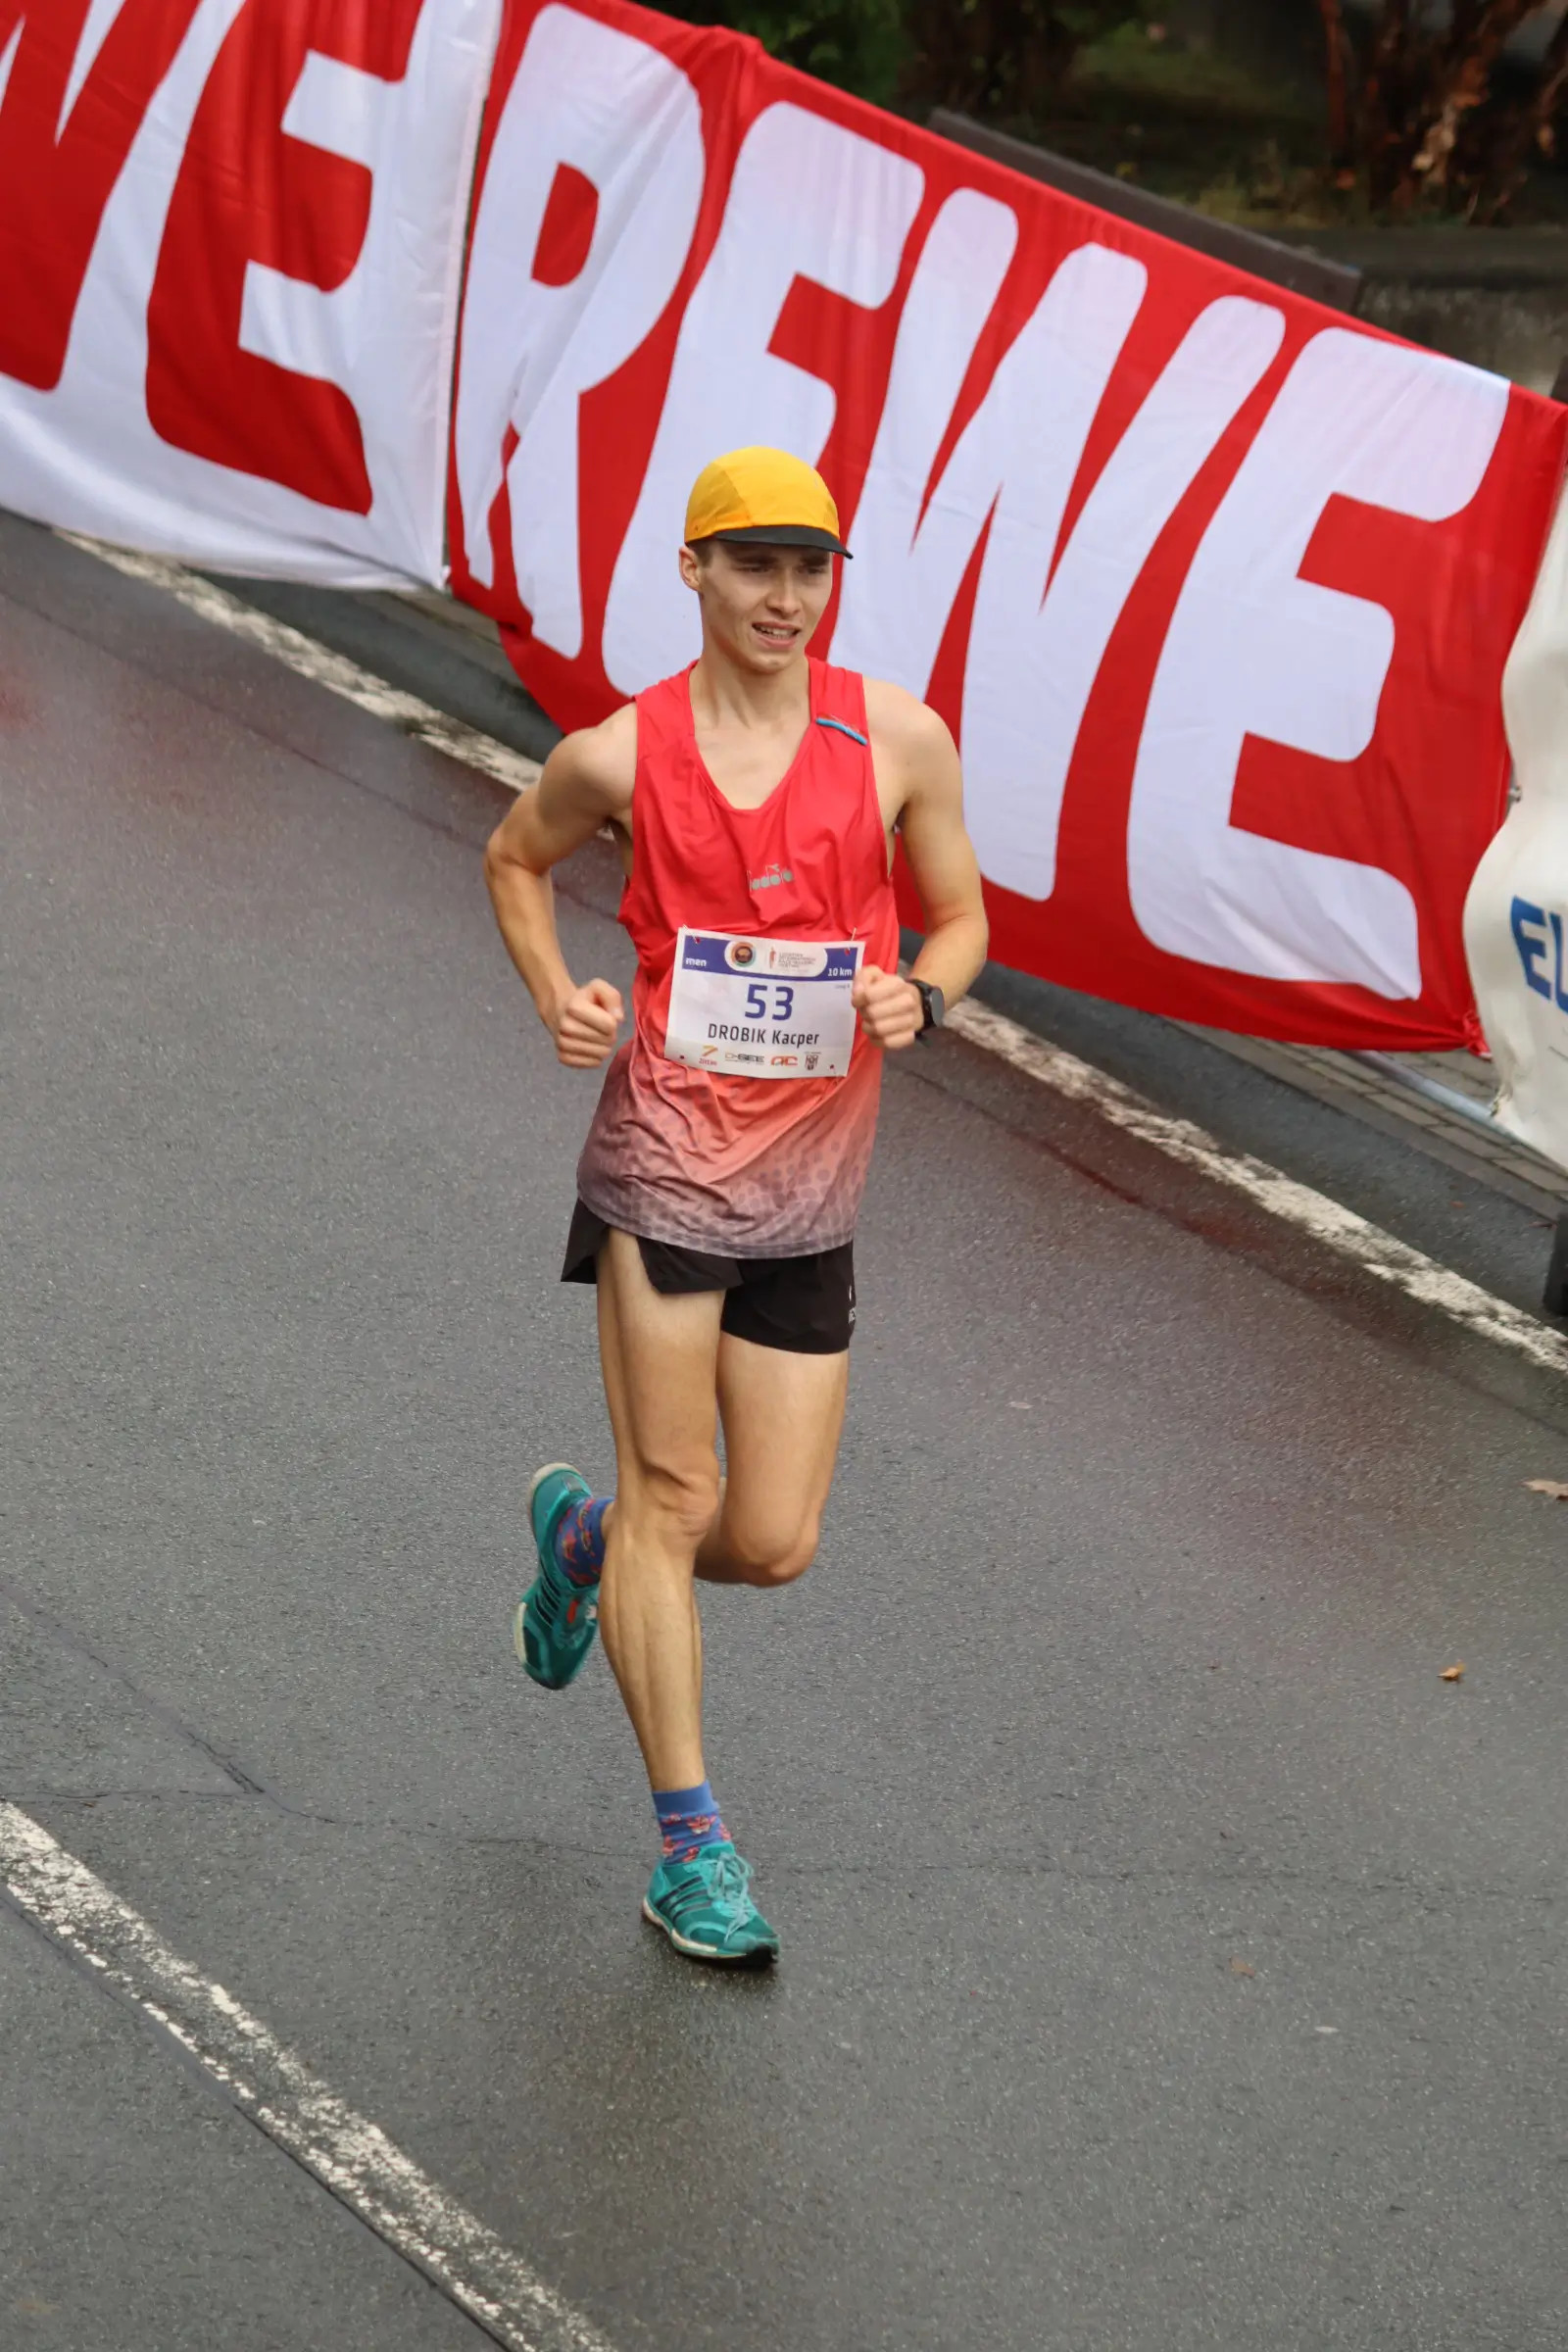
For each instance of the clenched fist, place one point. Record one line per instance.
(891, 1009)
(585, 1027)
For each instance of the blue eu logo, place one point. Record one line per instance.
(1538, 936)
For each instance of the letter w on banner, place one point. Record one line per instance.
(1215, 589)
(231, 243)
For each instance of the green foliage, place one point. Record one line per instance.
(1425, 111)
(859, 44)
(1003, 57)
(987, 56)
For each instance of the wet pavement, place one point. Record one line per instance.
(1172, 1958)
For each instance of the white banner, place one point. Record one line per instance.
(231, 248)
(1517, 911)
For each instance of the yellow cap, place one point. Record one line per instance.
(763, 494)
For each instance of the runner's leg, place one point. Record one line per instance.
(783, 1415)
(666, 1362)
(660, 1357)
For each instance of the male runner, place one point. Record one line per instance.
(755, 798)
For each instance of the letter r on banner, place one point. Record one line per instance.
(590, 100)
(1255, 650)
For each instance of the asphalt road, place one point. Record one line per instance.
(1172, 1959)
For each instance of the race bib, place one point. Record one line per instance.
(762, 1007)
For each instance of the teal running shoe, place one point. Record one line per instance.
(706, 1909)
(554, 1626)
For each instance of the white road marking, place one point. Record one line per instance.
(403, 710)
(1329, 1221)
(287, 2100)
(1392, 1262)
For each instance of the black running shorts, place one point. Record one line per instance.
(805, 1306)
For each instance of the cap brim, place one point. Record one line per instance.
(782, 534)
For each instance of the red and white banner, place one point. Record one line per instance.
(1214, 587)
(231, 248)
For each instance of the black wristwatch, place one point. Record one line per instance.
(934, 1002)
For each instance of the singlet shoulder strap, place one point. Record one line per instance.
(838, 703)
(665, 713)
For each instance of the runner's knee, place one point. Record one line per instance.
(764, 1558)
(671, 1504)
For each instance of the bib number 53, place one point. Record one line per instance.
(756, 995)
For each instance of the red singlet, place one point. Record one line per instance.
(746, 1167)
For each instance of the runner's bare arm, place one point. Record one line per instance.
(923, 790)
(586, 781)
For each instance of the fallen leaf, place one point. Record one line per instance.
(1453, 1674)
(1127, 170)
(1242, 1968)
(1554, 1486)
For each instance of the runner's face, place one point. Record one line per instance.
(760, 603)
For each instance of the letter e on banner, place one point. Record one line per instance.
(273, 197)
(1255, 650)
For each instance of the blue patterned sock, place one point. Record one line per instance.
(688, 1818)
(580, 1540)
